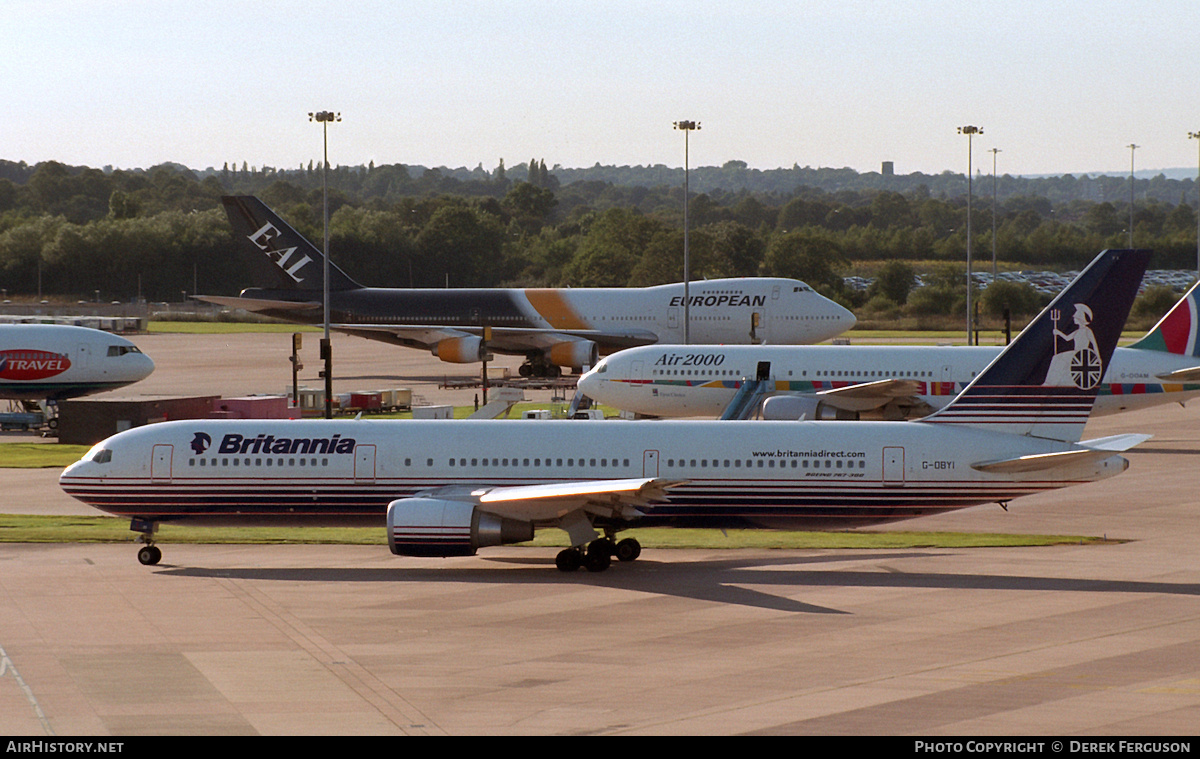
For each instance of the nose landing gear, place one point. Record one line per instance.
(149, 554)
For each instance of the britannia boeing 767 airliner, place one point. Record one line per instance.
(448, 488)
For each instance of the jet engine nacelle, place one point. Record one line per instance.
(792, 408)
(468, 349)
(436, 527)
(575, 354)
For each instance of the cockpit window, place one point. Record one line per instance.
(121, 350)
(99, 454)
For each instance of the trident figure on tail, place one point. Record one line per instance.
(1079, 364)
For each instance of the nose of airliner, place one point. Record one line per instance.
(141, 367)
(840, 320)
(587, 382)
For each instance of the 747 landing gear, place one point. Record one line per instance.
(538, 367)
(598, 555)
(149, 554)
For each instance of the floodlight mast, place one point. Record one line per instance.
(970, 132)
(687, 127)
(1196, 136)
(325, 118)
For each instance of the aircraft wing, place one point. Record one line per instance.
(504, 339)
(1089, 450)
(260, 304)
(1191, 374)
(553, 501)
(869, 395)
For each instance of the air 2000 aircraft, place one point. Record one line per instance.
(552, 328)
(54, 361)
(447, 488)
(876, 381)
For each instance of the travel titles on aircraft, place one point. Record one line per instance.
(23, 364)
(234, 443)
(264, 240)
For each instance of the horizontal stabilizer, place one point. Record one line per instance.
(1191, 374)
(1116, 443)
(1091, 450)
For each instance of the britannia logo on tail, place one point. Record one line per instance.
(1077, 364)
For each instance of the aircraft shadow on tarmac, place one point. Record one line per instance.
(718, 581)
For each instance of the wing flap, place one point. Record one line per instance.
(552, 501)
(868, 395)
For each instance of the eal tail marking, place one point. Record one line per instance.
(280, 258)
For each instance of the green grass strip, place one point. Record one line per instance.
(39, 455)
(16, 528)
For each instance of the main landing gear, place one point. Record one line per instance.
(149, 554)
(597, 555)
(538, 366)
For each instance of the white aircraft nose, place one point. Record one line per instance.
(144, 366)
(846, 318)
(840, 319)
(587, 381)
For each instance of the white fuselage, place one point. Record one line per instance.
(734, 311)
(766, 474)
(672, 381)
(50, 361)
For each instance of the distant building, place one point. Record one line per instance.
(889, 169)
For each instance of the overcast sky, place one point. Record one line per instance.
(1058, 87)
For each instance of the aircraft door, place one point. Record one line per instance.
(650, 464)
(636, 369)
(764, 371)
(893, 466)
(364, 463)
(82, 357)
(673, 317)
(160, 462)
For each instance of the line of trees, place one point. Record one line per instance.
(154, 233)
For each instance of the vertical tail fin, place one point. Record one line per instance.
(1178, 331)
(280, 258)
(1045, 382)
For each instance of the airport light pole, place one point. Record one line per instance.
(1132, 148)
(970, 132)
(325, 117)
(994, 151)
(687, 127)
(1196, 136)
